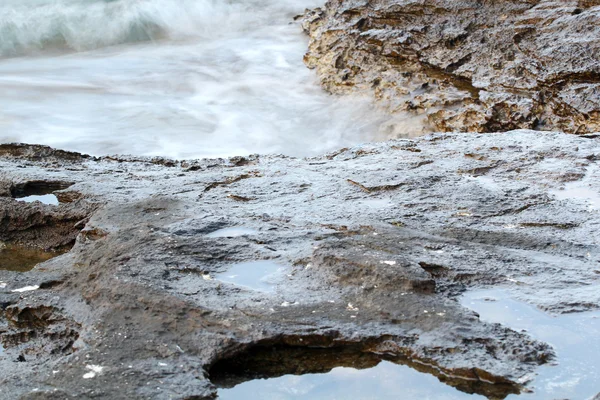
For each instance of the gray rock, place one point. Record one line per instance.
(377, 242)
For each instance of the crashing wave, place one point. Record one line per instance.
(29, 26)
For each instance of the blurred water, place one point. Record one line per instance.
(180, 78)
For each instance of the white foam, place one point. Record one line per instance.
(213, 79)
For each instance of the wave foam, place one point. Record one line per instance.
(29, 26)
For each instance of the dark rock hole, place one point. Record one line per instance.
(30, 235)
(273, 361)
(38, 188)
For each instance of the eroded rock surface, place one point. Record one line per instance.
(465, 65)
(376, 243)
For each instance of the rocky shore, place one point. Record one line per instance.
(466, 65)
(375, 244)
(353, 257)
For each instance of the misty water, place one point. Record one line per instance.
(178, 78)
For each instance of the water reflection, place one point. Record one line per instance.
(256, 275)
(574, 337)
(22, 259)
(576, 191)
(384, 381)
(232, 232)
(311, 369)
(44, 199)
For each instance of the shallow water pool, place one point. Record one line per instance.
(575, 374)
(22, 259)
(261, 276)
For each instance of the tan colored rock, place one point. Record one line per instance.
(465, 65)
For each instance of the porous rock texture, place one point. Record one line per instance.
(376, 244)
(465, 65)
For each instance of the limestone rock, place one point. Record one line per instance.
(376, 243)
(467, 65)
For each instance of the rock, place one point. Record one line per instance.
(42, 226)
(377, 242)
(465, 65)
(39, 153)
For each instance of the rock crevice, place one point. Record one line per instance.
(467, 65)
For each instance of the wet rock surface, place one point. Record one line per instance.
(467, 65)
(376, 243)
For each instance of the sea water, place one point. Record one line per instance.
(177, 78)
